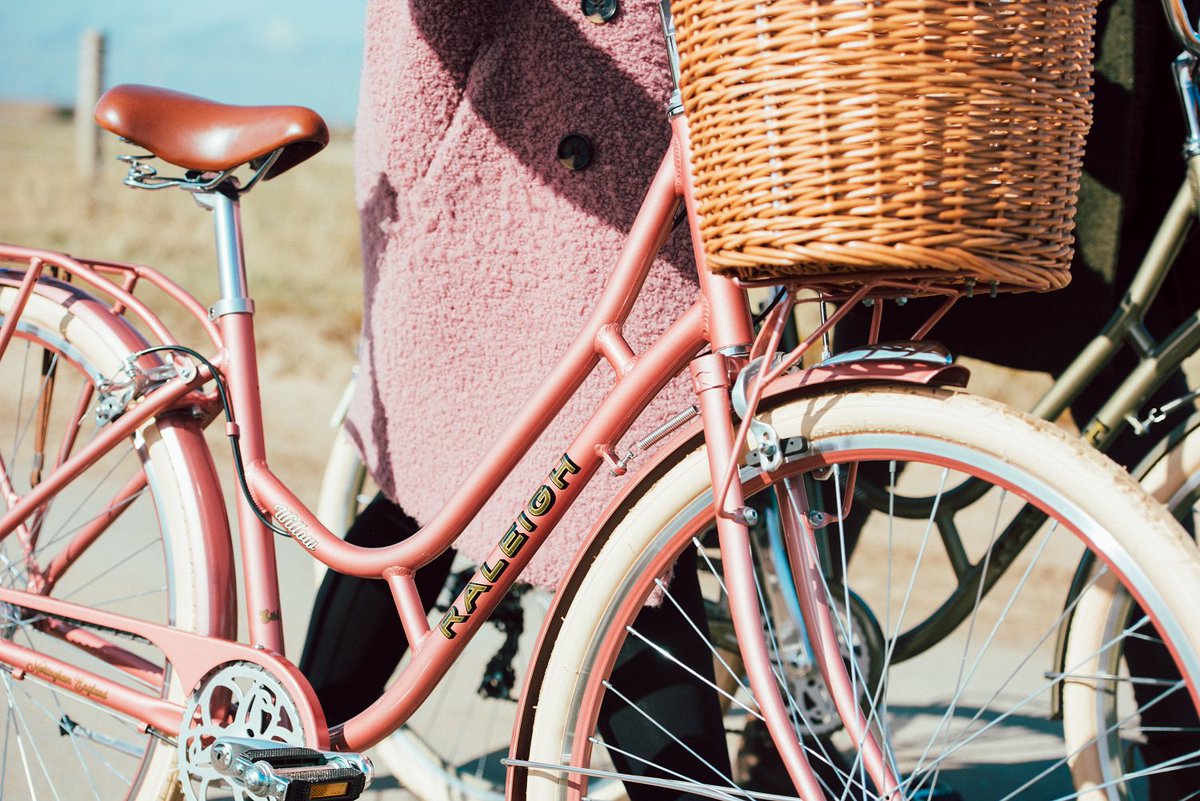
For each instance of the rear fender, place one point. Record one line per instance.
(120, 337)
(94, 312)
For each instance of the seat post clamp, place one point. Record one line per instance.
(230, 306)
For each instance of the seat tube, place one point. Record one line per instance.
(234, 314)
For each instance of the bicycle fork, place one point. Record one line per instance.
(711, 379)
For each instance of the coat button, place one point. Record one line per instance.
(575, 151)
(599, 11)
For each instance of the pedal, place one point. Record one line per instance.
(272, 771)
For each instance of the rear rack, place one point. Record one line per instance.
(116, 282)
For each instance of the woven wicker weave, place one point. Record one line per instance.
(843, 136)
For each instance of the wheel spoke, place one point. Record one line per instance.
(801, 722)
(65, 527)
(663, 652)
(22, 726)
(671, 735)
(967, 737)
(954, 653)
(716, 654)
(23, 428)
(720, 577)
(685, 785)
(125, 559)
(1002, 683)
(1060, 763)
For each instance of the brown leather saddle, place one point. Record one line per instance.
(206, 136)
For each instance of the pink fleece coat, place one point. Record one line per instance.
(483, 253)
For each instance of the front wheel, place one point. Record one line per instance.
(972, 716)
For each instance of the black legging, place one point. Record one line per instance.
(355, 639)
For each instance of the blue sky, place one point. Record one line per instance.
(307, 52)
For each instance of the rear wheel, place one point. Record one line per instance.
(122, 538)
(970, 717)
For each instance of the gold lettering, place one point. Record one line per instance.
(44, 671)
(558, 476)
(89, 690)
(451, 619)
(542, 501)
(471, 596)
(511, 542)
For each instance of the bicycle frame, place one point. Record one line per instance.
(719, 320)
(1157, 360)
(639, 378)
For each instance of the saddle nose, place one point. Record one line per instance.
(203, 135)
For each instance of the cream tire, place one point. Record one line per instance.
(1091, 494)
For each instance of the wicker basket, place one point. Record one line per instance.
(840, 137)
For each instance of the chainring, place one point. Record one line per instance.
(238, 699)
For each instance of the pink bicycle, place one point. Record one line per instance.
(121, 665)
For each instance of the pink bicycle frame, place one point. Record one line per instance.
(719, 320)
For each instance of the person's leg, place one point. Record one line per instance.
(355, 639)
(656, 688)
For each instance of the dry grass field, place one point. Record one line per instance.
(301, 249)
(303, 262)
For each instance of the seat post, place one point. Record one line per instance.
(231, 259)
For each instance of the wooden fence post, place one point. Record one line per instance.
(87, 92)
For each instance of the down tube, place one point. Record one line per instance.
(621, 290)
(530, 528)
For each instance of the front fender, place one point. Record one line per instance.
(900, 364)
